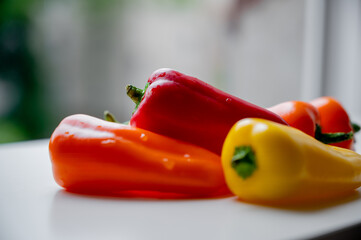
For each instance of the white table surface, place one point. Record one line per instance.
(33, 206)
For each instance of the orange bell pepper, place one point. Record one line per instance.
(90, 155)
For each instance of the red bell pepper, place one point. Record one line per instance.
(334, 118)
(90, 155)
(185, 108)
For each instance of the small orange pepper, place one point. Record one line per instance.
(90, 155)
(298, 114)
(306, 117)
(334, 118)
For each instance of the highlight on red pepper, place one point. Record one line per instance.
(90, 155)
(334, 118)
(306, 117)
(188, 109)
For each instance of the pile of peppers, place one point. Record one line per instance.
(186, 138)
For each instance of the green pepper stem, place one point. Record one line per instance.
(244, 161)
(109, 117)
(355, 127)
(328, 138)
(136, 94)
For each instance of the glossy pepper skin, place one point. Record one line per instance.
(188, 109)
(298, 114)
(334, 118)
(265, 162)
(305, 117)
(90, 155)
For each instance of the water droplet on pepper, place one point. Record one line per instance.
(143, 137)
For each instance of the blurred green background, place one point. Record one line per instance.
(23, 115)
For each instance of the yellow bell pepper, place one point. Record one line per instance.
(265, 162)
